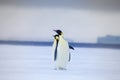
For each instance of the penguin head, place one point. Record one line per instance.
(56, 37)
(59, 32)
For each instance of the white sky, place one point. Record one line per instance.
(37, 23)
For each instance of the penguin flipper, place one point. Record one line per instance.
(71, 47)
(55, 55)
(69, 57)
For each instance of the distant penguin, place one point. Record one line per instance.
(61, 51)
(55, 45)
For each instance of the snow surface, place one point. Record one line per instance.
(35, 63)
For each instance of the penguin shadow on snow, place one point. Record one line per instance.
(61, 51)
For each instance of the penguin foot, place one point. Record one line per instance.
(60, 68)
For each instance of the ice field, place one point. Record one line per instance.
(35, 63)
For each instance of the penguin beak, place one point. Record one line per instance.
(55, 30)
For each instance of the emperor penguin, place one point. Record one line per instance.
(61, 51)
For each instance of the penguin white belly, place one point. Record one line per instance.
(62, 54)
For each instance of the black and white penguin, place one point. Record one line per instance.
(61, 51)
